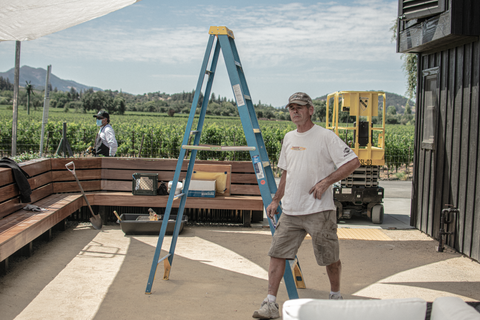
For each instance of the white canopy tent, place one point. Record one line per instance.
(22, 20)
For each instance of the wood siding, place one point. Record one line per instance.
(449, 173)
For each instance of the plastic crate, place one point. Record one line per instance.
(145, 184)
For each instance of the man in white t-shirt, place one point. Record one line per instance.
(312, 159)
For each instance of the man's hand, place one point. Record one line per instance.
(319, 189)
(272, 209)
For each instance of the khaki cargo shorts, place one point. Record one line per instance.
(291, 230)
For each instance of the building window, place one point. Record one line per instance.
(416, 9)
(430, 105)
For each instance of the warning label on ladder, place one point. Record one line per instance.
(238, 95)
(258, 167)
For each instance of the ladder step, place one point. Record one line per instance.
(178, 195)
(256, 131)
(168, 255)
(247, 97)
(219, 148)
(194, 132)
(266, 163)
(238, 64)
(208, 72)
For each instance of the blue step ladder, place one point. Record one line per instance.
(224, 37)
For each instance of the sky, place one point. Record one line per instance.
(317, 47)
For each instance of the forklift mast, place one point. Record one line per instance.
(360, 194)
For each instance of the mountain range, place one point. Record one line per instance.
(37, 77)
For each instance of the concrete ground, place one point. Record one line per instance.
(222, 271)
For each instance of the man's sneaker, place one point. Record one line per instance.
(268, 310)
(335, 296)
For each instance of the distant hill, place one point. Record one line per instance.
(393, 99)
(37, 77)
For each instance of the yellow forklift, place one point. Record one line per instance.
(358, 117)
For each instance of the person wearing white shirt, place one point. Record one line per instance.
(105, 143)
(312, 159)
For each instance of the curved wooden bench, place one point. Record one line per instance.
(106, 182)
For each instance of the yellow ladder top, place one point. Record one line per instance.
(221, 30)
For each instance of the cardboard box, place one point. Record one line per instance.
(201, 188)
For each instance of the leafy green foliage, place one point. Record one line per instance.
(162, 135)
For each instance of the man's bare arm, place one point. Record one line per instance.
(339, 174)
(272, 207)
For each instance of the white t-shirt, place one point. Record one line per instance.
(309, 157)
(107, 134)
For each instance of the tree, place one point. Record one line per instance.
(409, 66)
(392, 110)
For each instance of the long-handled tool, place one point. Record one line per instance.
(96, 220)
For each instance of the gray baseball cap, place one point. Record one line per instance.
(300, 98)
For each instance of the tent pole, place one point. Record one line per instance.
(15, 99)
(46, 105)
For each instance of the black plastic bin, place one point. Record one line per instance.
(139, 223)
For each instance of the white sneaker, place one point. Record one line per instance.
(335, 296)
(268, 310)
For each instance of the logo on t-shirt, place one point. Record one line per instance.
(298, 148)
(346, 151)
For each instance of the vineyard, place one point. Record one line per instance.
(159, 136)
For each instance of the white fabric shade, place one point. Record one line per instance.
(22, 20)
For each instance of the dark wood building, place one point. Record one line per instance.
(445, 36)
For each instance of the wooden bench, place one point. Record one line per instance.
(18, 227)
(107, 183)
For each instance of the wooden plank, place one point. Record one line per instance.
(9, 207)
(456, 155)
(109, 174)
(11, 191)
(239, 178)
(89, 174)
(6, 176)
(239, 189)
(8, 192)
(141, 164)
(448, 145)
(475, 162)
(112, 185)
(72, 186)
(219, 202)
(420, 223)
(467, 177)
(440, 177)
(18, 231)
(41, 192)
(80, 163)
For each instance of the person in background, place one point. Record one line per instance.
(105, 142)
(312, 158)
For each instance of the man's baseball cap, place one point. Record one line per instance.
(102, 114)
(300, 98)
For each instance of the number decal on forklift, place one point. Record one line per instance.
(366, 162)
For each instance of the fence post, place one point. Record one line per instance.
(133, 143)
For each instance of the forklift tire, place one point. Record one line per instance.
(377, 214)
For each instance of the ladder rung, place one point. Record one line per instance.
(194, 132)
(256, 130)
(247, 97)
(219, 148)
(168, 255)
(266, 163)
(208, 72)
(178, 195)
(238, 64)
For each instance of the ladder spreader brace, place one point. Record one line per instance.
(224, 37)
